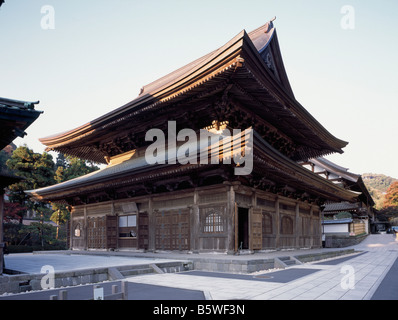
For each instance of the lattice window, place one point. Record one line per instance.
(213, 223)
(128, 226)
(267, 223)
(287, 225)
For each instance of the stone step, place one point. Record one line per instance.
(289, 262)
(136, 267)
(25, 288)
(162, 267)
(173, 269)
(136, 272)
(285, 261)
(285, 258)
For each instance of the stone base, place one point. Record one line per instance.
(342, 241)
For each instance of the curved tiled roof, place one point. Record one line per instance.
(15, 117)
(242, 58)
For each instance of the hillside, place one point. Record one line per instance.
(377, 185)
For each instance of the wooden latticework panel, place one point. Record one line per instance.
(172, 230)
(305, 232)
(256, 231)
(268, 234)
(111, 232)
(96, 232)
(287, 236)
(143, 230)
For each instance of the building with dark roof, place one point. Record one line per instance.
(361, 213)
(203, 206)
(15, 117)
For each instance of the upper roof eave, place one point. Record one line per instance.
(182, 79)
(285, 93)
(154, 91)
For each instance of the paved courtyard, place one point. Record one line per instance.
(32, 263)
(363, 275)
(356, 278)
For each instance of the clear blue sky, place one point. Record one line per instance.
(102, 52)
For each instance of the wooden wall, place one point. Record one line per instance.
(288, 224)
(358, 227)
(197, 220)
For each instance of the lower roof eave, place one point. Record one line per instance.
(300, 176)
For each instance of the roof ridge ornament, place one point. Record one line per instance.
(11, 103)
(270, 25)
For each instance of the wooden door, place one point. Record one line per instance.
(256, 235)
(161, 228)
(172, 230)
(143, 231)
(183, 242)
(96, 233)
(111, 232)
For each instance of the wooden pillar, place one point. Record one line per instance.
(113, 213)
(320, 226)
(1, 230)
(71, 231)
(195, 223)
(151, 226)
(85, 228)
(232, 222)
(236, 228)
(311, 227)
(277, 224)
(298, 229)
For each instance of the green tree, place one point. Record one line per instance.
(71, 167)
(343, 215)
(37, 171)
(3, 159)
(40, 235)
(61, 161)
(60, 213)
(5, 154)
(68, 168)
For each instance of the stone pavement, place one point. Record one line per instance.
(353, 279)
(388, 288)
(32, 263)
(136, 291)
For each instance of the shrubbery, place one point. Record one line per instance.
(34, 237)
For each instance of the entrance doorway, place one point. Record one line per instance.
(243, 228)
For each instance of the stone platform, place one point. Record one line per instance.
(71, 268)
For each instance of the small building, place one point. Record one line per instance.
(339, 227)
(360, 219)
(361, 213)
(15, 117)
(239, 94)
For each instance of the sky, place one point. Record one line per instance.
(82, 59)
